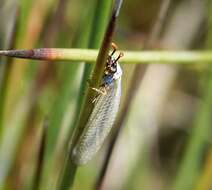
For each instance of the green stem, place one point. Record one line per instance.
(70, 168)
(96, 75)
(88, 55)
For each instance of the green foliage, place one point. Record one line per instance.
(55, 88)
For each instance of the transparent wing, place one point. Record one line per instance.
(99, 124)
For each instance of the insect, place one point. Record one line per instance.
(103, 115)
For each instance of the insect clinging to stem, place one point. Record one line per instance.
(106, 105)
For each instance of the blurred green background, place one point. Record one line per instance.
(165, 113)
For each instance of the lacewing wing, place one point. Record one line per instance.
(101, 119)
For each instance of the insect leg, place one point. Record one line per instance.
(101, 91)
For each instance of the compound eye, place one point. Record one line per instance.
(107, 72)
(114, 68)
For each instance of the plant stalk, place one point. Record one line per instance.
(130, 57)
